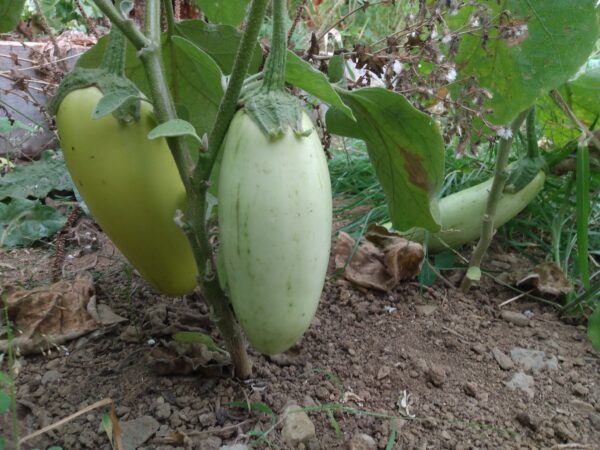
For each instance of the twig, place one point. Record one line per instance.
(90, 25)
(101, 403)
(587, 134)
(296, 20)
(47, 29)
(362, 7)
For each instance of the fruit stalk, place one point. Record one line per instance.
(487, 222)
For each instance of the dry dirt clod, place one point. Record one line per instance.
(383, 372)
(297, 426)
(516, 318)
(533, 360)
(136, 432)
(362, 441)
(502, 359)
(525, 419)
(437, 375)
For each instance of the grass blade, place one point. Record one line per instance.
(583, 212)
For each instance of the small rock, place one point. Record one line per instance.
(425, 310)
(136, 432)
(528, 421)
(362, 441)
(50, 377)
(131, 334)
(479, 349)
(471, 389)
(207, 420)
(210, 443)
(122, 410)
(313, 444)
(235, 447)
(516, 318)
(595, 421)
(581, 406)
(564, 432)
(445, 435)
(383, 372)
(437, 375)
(163, 411)
(580, 390)
(534, 360)
(297, 426)
(502, 359)
(523, 382)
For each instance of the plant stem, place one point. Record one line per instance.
(587, 134)
(487, 222)
(532, 146)
(114, 54)
(275, 65)
(196, 187)
(170, 14)
(228, 104)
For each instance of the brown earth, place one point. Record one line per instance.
(362, 354)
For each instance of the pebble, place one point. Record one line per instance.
(533, 360)
(595, 421)
(528, 421)
(437, 375)
(502, 359)
(235, 447)
(383, 372)
(362, 441)
(297, 426)
(136, 432)
(425, 310)
(522, 382)
(471, 389)
(210, 443)
(580, 390)
(564, 432)
(515, 318)
(50, 377)
(479, 349)
(163, 411)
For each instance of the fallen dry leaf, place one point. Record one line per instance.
(182, 358)
(48, 316)
(548, 279)
(381, 261)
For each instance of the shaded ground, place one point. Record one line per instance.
(439, 349)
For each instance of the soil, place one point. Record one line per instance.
(439, 350)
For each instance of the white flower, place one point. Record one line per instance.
(451, 75)
(504, 133)
(447, 38)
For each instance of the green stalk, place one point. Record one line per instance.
(487, 223)
(533, 150)
(228, 104)
(275, 66)
(196, 180)
(170, 15)
(114, 54)
(583, 211)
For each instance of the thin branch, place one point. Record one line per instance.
(586, 133)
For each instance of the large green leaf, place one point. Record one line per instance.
(22, 222)
(219, 41)
(193, 77)
(528, 47)
(36, 179)
(301, 74)
(228, 12)
(10, 11)
(582, 94)
(405, 147)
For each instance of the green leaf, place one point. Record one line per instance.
(219, 41)
(336, 69)
(4, 402)
(2, 443)
(10, 12)
(23, 222)
(583, 212)
(192, 75)
(522, 172)
(530, 46)
(36, 179)
(301, 74)
(193, 337)
(110, 103)
(107, 426)
(405, 147)
(594, 327)
(585, 91)
(228, 12)
(172, 128)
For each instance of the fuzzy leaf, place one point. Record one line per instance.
(110, 103)
(22, 222)
(36, 179)
(172, 128)
(228, 12)
(10, 12)
(405, 147)
(530, 47)
(301, 74)
(4, 402)
(192, 337)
